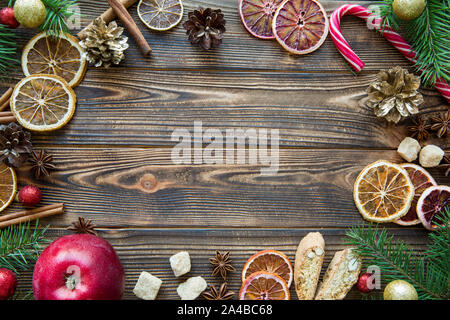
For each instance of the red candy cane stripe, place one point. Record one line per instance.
(393, 37)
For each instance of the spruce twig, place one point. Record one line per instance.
(20, 246)
(8, 52)
(428, 36)
(58, 11)
(428, 273)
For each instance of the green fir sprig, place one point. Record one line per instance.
(428, 35)
(20, 246)
(428, 272)
(8, 51)
(58, 12)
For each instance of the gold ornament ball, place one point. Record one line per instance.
(30, 13)
(400, 290)
(408, 9)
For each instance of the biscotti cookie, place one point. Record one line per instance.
(341, 275)
(308, 263)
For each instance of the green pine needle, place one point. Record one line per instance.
(428, 35)
(430, 38)
(428, 273)
(20, 246)
(8, 52)
(57, 14)
(388, 15)
(20, 295)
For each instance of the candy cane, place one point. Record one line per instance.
(393, 37)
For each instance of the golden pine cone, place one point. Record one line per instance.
(394, 95)
(104, 44)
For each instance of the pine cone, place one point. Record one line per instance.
(104, 44)
(15, 145)
(394, 94)
(205, 27)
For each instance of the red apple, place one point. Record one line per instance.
(78, 267)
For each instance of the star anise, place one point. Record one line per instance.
(420, 129)
(445, 165)
(41, 163)
(222, 264)
(83, 226)
(441, 124)
(221, 294)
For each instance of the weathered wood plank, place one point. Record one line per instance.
(149, 250)
(241, 51)
(141, 108)
(142, 187)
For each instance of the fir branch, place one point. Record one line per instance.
(58, 11)
(438, 251)
(20, 246)
(428, 36)
(397, 261)
(8, 51)
(386, 12)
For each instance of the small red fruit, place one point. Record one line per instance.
(365, 283)
(7, 18)
(29, 196)
(8, 283)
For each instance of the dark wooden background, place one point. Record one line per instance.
(114, 162)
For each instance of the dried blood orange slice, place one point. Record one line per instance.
(421, 180)
(160, 15)
(300, 26)
(257, 16)
(271, 261)
(383, 192)
(431, 205)
(264, 285)
(63, 57)
(8, 186)
(43, 102)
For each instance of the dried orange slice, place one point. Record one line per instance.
(8, 186)
(383, 192)
(160, 15)
(300, 26)
(421, 180)
(432, 204)
(271, 261)
(264, 285)
(63, 57)
(257, 16)
(43, 102)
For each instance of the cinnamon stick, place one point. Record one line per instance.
(6, 95)
(4, 99)
(131, 26)
(7, 117)
(4, 105)
(29, 215)
(107, 16)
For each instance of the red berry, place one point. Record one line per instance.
(8, 283)
(30, 196)
(7, 18)
(365, 283)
